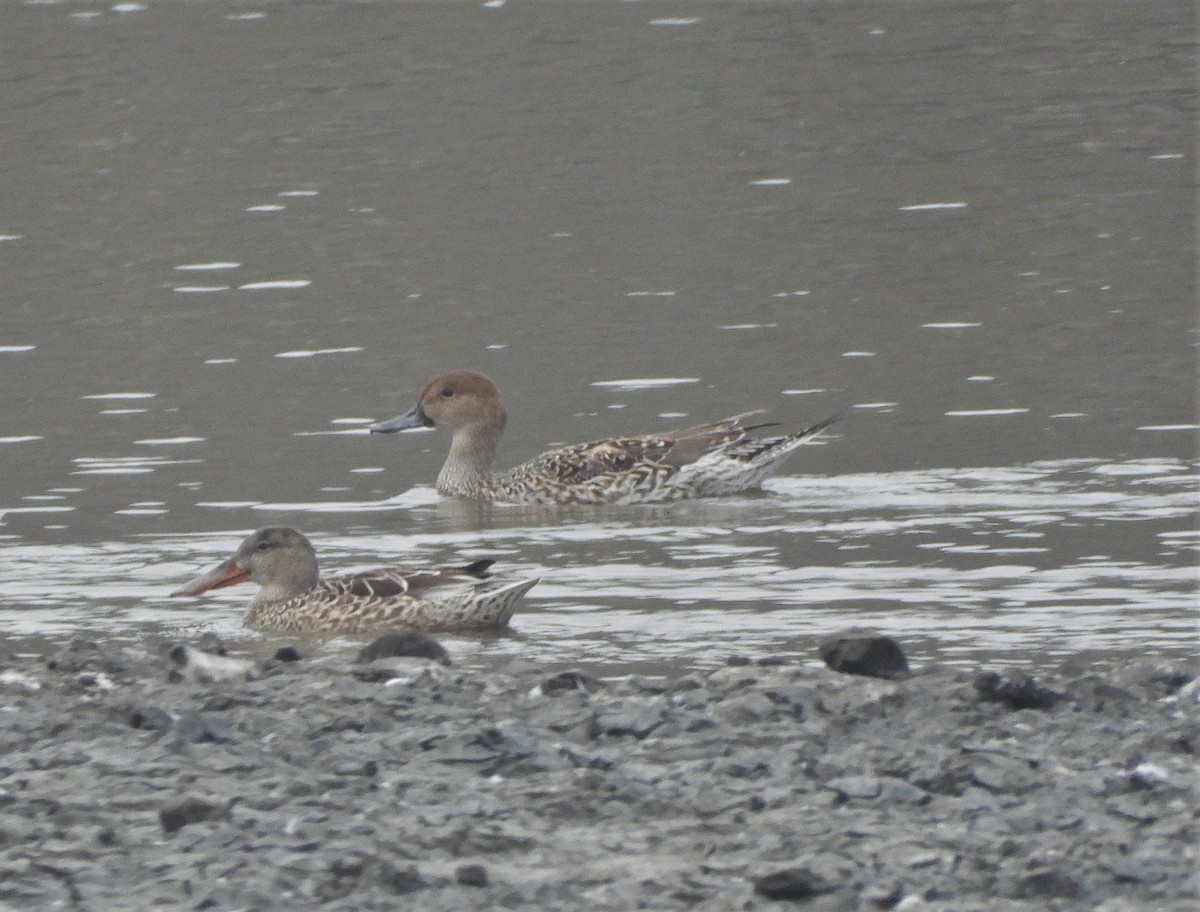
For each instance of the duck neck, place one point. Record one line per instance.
(287, 587)
(468, 468)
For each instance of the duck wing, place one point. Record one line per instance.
(615, 455)
(392, 581)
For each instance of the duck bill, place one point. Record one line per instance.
(413, 418)
(227, 574)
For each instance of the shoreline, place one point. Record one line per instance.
(759, 785)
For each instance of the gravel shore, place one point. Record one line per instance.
(132, 778)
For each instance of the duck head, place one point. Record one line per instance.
(280, 560)
(459, 400)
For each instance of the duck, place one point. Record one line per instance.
(705, 460)
(293, 598)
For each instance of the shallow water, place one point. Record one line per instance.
(232, 237)
(1008, 565)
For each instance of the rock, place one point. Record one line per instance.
(1048, 883)
(872, 656)
(793, 883)
(402, 644)
(1017, 691)
(630, 718)
(1003, 775)
(856, 786)
(288, 654)
(568, 681)
(471, 875)
(196, 665)
(174, 817)
(148, 718)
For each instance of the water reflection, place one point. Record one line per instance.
(1007, 564)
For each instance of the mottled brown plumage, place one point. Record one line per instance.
(700, 461)
(292, 597)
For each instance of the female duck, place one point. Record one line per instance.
(700, 461)
(292, 597)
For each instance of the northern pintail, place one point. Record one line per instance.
(701, 461)
(293, 597)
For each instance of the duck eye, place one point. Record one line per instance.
(447, 391)
(263, 546)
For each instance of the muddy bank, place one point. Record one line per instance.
(125, 783)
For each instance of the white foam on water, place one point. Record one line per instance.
(21, 438)
(638, 383)
(11, 349)
(207, 267)
(804, 392)
(984, 413)
(120, 396)
(168, 441)
(311, 353)
(674, 21)
(1170, 427)
(299, 192)
(221, 361)
(275, 284)
(950, 325)
(128, 411)
(771, 182)
(201, 289)
(927, 207)
(858, 354)
(266, 207)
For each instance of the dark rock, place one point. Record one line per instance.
(404, 644)
(174, 817)
(148, 718)
(1049, 883)
(872, 656)
(288, 654)
(570, 680)
(793, 883)
(1016, 691)
(471, 875)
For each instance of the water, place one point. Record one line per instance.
(231, 240)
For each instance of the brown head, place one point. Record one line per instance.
(457, 400)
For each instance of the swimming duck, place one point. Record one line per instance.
(700, 461)
(293, 597)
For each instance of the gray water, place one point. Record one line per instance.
(232, 235)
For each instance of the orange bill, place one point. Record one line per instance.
(227, 574)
